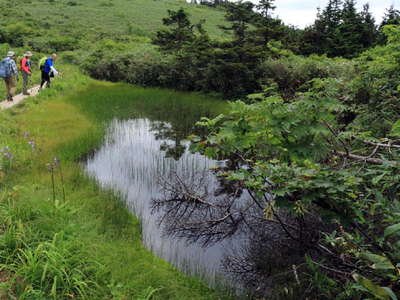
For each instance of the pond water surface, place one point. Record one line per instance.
(136, 153)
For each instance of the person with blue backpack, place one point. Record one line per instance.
(48, 70)
(9, 72)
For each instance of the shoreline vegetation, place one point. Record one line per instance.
(86, 246)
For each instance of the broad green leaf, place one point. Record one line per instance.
(390, 293)
(379, 262)
(382, 293)
(396, 129)
(392, 229)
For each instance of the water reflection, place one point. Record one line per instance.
(173, 142)
(131, 163)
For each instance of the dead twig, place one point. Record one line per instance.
(375, 161)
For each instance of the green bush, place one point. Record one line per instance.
(72, 3)
(16, 33)
(71, 57)
(53, 44)
(141, 65)
(292, 72)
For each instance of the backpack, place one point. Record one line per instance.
(19, 63)
(42, 62)
(5, 68)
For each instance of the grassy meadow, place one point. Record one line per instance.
(62, 25)
(84, 245)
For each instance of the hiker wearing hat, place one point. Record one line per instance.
(48, 70)
(9, 72)
(26, 71)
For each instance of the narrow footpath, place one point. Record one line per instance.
(19, 98)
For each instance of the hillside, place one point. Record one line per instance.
(71, 24)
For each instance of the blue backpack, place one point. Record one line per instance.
(5, 68)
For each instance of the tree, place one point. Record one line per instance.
(349, 31)
(392, 17)
(328, 20)
(240, 16)
(322, 36)
(369, 35)
(267, 28)
(181, 33)
(340, 30)
(265, 7)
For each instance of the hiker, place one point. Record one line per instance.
(48, 70)
(9, 72)
(26, 71)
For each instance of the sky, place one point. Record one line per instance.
(303, 12)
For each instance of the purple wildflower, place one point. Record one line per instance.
(8, 154)
(26, 135)
(33, 145)
(49, 167)
(5, 149)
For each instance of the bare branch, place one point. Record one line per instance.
(389, 145)
(375, 161)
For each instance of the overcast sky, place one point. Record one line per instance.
(303, 12)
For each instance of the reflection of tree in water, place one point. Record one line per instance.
(174, 140)
(272, 244)
(174, 123)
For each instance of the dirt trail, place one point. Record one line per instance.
(19, 98)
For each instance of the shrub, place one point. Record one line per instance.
(292, 72)
(106, 4)
(15, 34)
(72, 3)
(53, 44)
(142, 65)
(71, 57)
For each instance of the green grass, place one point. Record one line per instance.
(97, 19)
(89, 246)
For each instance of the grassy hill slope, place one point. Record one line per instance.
(71, 24)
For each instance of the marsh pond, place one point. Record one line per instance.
(141, 152)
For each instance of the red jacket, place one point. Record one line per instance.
(26, 65)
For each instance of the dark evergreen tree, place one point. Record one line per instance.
(265, 7)
(240, 16)
(180, 31)
(291, 38)
(349, 32)
(322, 36)
(328, 20)
(392, 17)
(340, 30)
(236, 64)
(369, 35)
(312, 41)
(267, 28)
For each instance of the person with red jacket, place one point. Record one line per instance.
(26, 71)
